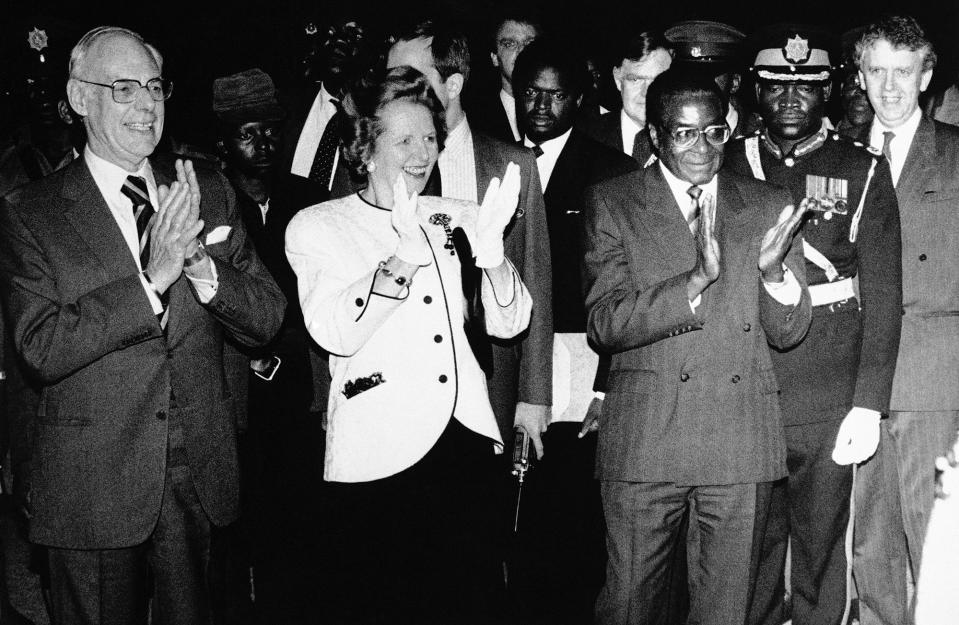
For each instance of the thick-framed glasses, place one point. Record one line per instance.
(686, 136)
(125, 90)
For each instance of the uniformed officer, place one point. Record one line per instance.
(718, 50)
(836, 383)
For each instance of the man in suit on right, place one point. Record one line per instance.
(689, 273)
(895, 489)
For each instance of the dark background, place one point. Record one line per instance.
(201, 40)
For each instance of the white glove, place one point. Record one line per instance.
(858, 436)
(412, 246)
(495, 213)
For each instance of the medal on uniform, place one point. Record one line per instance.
(831, 195)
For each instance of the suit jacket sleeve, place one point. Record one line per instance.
(248, 301)
(785, 325)
(531, 248)
(880, 287)
(622, 312)
(56, 337)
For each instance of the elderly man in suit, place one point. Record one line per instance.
(519, 384)
(559, 577)
(642, 59)
(120, 312)
(894, 489)
(689, 273)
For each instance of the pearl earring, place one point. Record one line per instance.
(370, 167)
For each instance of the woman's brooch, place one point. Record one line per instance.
(442, 219)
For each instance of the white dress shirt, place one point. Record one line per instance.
(629, 129)
(546, 161)
(320, 113)
(899, 147)
(109, 179)
(509, 105)
(457, 163)
(788, 292)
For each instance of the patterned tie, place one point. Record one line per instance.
(887, 138)
(322, 169)
(135, 189)
(693, 220)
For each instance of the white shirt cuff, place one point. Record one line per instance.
(205, 289)
(788, 292)
(694, 304)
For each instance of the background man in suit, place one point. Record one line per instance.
(493, 111)
(280, 441)
(520, 385)
(894, 491)
(311, 141)
(557, 579)
(685, 286)
(642, 59)
(837, 381)
(122, 323)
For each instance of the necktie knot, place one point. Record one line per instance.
(693, 219)
(537, 150)
(135, 188)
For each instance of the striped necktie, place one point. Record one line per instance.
(693, 220)
(135, 189)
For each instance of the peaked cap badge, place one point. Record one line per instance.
(37, 39)
(796, 50)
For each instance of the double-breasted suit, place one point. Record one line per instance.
(112, 379)
(692, 403)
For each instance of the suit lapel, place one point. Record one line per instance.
(918, 168)
(90, 216)
(664, 220)
(484, 160)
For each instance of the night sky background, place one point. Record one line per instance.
(201, 40)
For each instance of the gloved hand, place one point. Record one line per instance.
(496, 211)
(858, 436)
(412, 246)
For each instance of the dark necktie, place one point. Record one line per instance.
(693, 220)
(538, 151)
(322, 169)
(639, 147)
(135, 189)
(887, 138)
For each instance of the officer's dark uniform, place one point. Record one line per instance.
(847, 359)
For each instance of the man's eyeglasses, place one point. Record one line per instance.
(686, 137)
(126, 90)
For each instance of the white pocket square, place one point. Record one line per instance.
(218, 235)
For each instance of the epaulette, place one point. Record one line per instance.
(865, 147)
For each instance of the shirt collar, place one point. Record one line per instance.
(805, 146)
(679, 187)
(904, 132)
(456, 137)
(628, 124)
(110, 177)
(552, 147)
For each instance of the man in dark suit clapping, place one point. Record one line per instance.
(689, 273)
(120, 286)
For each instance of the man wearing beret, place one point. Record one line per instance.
(835, 384)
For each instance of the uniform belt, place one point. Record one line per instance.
(831, 292)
